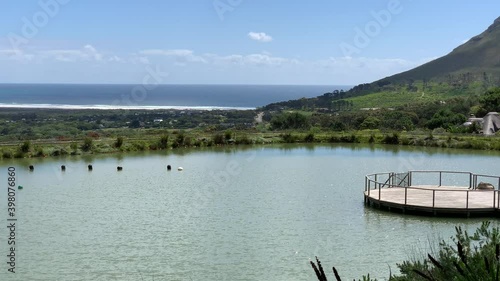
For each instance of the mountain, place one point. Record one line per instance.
(469, 69)
(476, 61)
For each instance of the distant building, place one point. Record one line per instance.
(490, 123)
(158, 120)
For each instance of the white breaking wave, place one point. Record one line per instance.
(118, 107)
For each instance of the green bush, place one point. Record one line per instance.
(119, 142)
(218, 139)
(473, 257)
(244, 139)
(162, 143)
(309, 137)
(88, 144)
(7, 154)
(288, 138)
(139, 145)
(25, 147)
(394, 139)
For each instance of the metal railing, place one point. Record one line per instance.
(374, 183)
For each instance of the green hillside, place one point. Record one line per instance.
(468, 69)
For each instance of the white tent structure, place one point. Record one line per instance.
(491, 123)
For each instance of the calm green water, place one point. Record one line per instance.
(232, 214)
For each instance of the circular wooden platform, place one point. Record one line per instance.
(395, 192)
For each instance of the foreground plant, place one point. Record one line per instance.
(473, 257)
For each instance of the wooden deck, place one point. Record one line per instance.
(436, 200)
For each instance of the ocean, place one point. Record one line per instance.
(101, 96)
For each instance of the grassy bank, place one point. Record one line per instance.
(152, 140)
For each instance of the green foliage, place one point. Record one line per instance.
(139, 145)
(352, 138)
(243, 139)
(7, 154)
(286, 121)
(218, 139)
(74, 146)
(25, 147)
(490, 101)
(446, 119)
(309, 138)
(39, 152)
(370, 122)
(179, 140)
(119, 142)
(288, 138)
(469, 257)
(163, 142)
(394, 139)
(88, 144)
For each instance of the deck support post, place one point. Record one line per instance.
(467, 203)
(433, 198)
(406, 196)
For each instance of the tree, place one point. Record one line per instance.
(287, 121)
(119, 142)
(446, 119)
(25, 147)
(370, 122)
(490, 101)
(88, 144)
(163, 142)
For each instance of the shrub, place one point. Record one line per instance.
(467, 258)
(7, 154)
(288, 138)
(25, 147)
(394, 139)
(163, 142)
(309, 137)
(40, 152)
(19, 154)
(244, 139)
(218, 139)
(88, 144)
(371, 139)
(139, 145)
(119, 142)
(349, 139)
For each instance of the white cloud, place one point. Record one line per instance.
(18, 55)
(181, 56)
(87, 53)
(256, 68)
(260, 36)
(115, 58)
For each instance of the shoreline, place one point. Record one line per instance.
(175, 140)
(120, 107)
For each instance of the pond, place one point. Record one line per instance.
(254, 213)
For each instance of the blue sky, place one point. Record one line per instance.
(326, 42)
